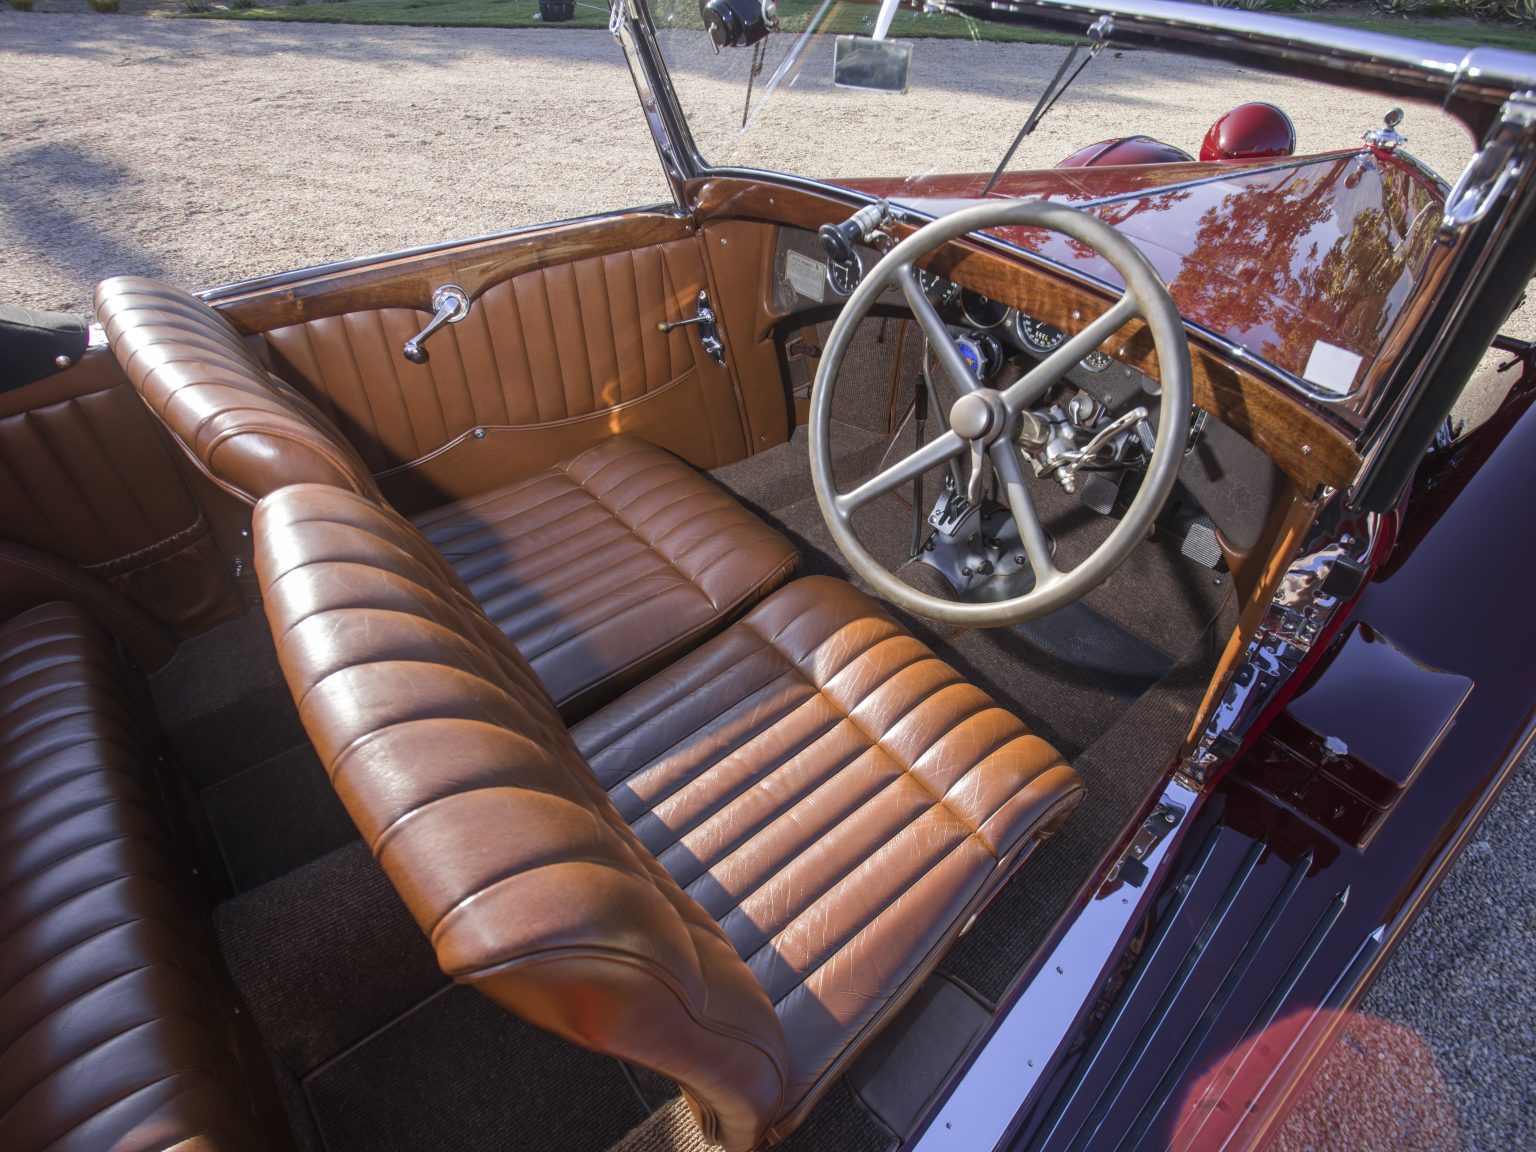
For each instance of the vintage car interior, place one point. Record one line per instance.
(651, 681)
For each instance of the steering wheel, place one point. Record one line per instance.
(984, 421)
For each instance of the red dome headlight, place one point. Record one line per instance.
(1253, 131)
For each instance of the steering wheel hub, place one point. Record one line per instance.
(978, 415)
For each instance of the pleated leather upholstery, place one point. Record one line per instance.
(605, 568)
(116, 1030)
(247, 429)
(839, 799)
(543, 347)
(86, 474)
(600, 569)
(457, 769)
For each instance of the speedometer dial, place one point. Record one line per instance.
(982, 311)
(1036, 335)
(939, 290)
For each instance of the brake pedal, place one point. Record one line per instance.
(1200, 543)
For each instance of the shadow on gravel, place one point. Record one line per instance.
(178, 43)
(39, 191)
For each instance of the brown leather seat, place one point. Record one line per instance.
(775, 839)
(600, 569)
(609, 565)
(116, 1028)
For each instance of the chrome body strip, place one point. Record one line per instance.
(1029, 1036)
(1470, 84)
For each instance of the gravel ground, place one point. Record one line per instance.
(204, 152)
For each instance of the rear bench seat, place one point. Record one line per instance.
(734, 874)
(600, 570)
(117, 1028)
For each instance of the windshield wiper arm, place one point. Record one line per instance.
(1059, 84)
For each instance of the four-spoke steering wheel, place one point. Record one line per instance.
(985, 421)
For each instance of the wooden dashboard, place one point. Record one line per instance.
(1309, 448)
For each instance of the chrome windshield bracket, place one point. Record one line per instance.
(1325, 576)
(1497, 165)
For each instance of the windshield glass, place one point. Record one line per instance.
(1273, 255)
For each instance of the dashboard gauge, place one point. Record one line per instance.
(939, 290)
(843, 277)
(1036, 335)
(1097, 360)
(983, 355)
(982, 311)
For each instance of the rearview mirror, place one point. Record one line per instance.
(874, 65)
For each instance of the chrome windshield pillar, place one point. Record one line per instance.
(630, 24)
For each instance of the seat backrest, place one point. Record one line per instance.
(247, 429)
(456, 768)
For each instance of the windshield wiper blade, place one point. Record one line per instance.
(1048, 99)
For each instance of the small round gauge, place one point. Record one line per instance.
(983, 355)
(939, 290)
(1036, 335)
(982, 311)
(1097, 360)
(842, 277)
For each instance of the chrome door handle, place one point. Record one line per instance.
(709, 334)
(450, 304)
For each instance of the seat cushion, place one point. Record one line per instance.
(837, 797)
(604, 568)
(116, 1026)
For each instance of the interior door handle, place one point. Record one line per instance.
(450, 304)
(704, 319)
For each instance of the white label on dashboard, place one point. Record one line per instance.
(1331, 368)
(806, 276)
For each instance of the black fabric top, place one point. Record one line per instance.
(31, 341)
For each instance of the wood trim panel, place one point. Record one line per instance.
(408, 281)
(1307, 446)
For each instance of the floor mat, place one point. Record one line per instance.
(837, 1124)
(458, 1072)
(347, 994)
(264, 803)
(276, 816)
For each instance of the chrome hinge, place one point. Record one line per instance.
(1131, 868)
(1498, 163)
(1309, 596)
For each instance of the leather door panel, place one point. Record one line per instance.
(87, 475)
(547, 362)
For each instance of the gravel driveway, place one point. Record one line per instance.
(203, 152)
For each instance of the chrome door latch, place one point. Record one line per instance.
(704, 319)
(450, 304)
(1498, 163)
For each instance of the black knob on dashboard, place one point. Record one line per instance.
(837, 240)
